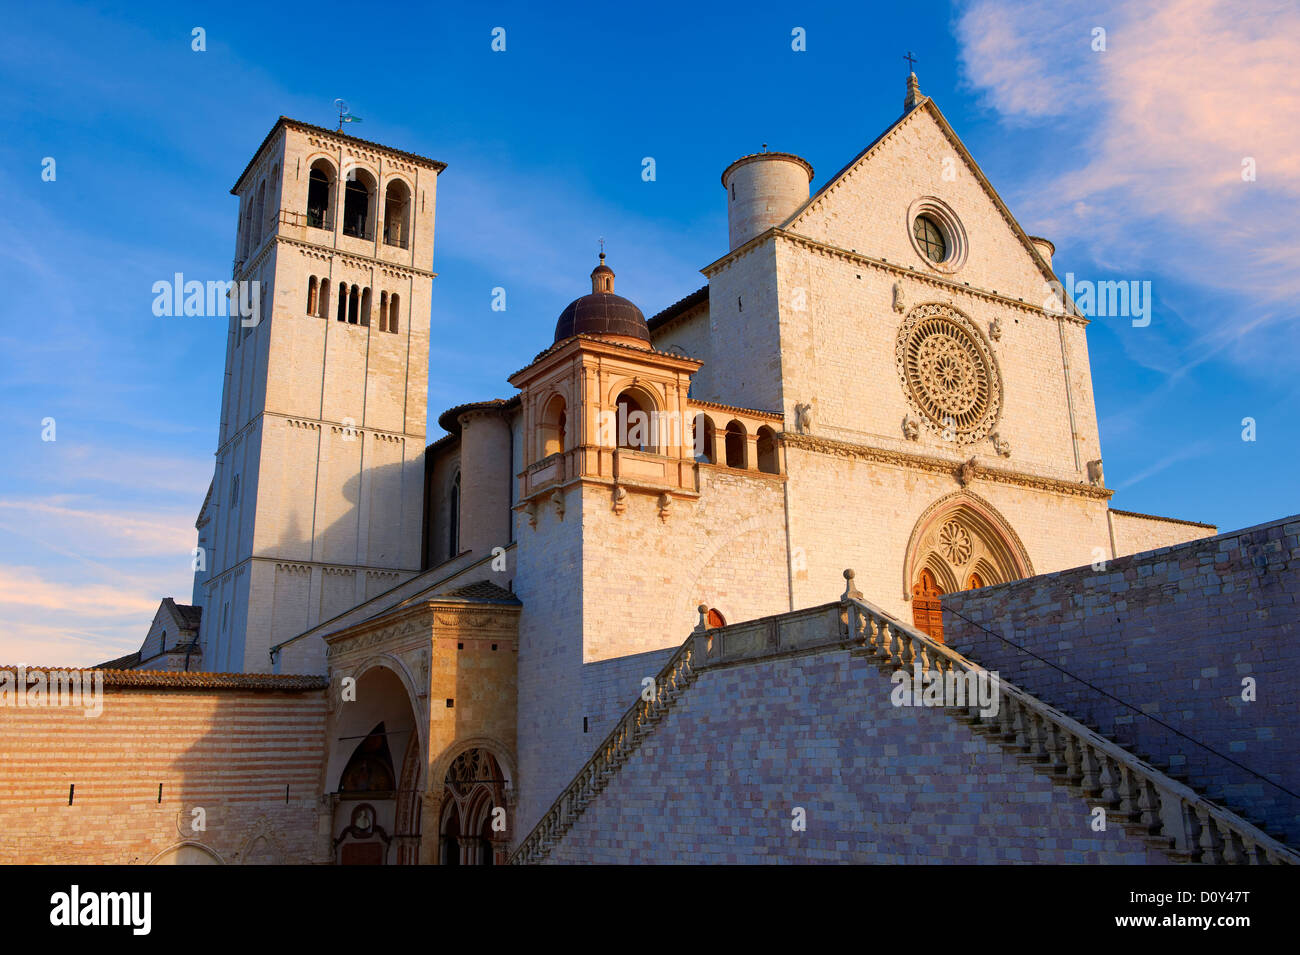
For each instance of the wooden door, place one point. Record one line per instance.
(927, 612)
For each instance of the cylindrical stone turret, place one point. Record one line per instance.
(763, 190)
(1044, 247)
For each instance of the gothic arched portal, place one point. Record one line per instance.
(472, 830)
(960, 542)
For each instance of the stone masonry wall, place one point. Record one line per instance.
(251, 759)
(718, 779)
(1173, 632)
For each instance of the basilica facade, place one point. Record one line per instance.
(879, 373)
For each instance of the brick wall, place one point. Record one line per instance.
(1173, 632)
(252, 760)
(718, 780)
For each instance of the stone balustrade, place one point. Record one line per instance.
(1169, 814)
(1166, 813)
(676, 675)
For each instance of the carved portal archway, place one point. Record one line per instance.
(960, 542)
(471, 831)
(375, 765)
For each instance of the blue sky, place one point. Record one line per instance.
(1128, 158)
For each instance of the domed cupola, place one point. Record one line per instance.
(603, 313)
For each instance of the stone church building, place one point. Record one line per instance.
(877, 373)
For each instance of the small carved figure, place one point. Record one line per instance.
(1095, 474)
(966, 472)
(620, 499)
(665, 505)
(911, 428)
(803, 417)
(1000, 445)
(899, 302)
(995, 329)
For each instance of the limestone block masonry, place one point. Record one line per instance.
(319, 474)
(1179, 633)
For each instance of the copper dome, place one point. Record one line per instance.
(602, 312)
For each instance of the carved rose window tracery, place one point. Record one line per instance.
(954, 543)
(948, 373)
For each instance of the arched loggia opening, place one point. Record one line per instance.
(397, 214)
(635, 421)
(736, 440)
(552, 436)
(375, 771)
(765, 447)
(359, 205)
(705, 435)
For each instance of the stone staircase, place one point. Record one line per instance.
(1163, 811)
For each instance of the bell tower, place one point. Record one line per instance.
(316, 498)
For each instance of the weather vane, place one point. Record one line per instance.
(345, 114)
(602, 245)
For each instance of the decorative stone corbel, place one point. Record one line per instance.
(557, 501)
(620, 499)
(1000, 445)
(531, 511)
(911, 428)
(665, 505)
(900, 302)
(995, 329)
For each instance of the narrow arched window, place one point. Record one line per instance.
(553, 424)
(354, 303)
(453, 518)
(320, 195)
(383, 311)
(397, 214)
(246, 238)
(705, 435)
(634, 423)
(343, 302)
(312, 292)
(323, 302)
(358, 205)
(736, 440)
(392, 312)
(768, 461)
(259, 210)
(365, 308)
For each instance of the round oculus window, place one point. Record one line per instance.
(937, 234)
(930, 238)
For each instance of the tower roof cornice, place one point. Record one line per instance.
(285, 122)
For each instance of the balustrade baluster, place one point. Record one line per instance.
(1210, 842)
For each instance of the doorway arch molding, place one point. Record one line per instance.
(975, 514)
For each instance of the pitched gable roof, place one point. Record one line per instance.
(928, 107)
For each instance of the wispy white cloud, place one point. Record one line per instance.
(1155, 130)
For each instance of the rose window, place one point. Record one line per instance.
(948, 373)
